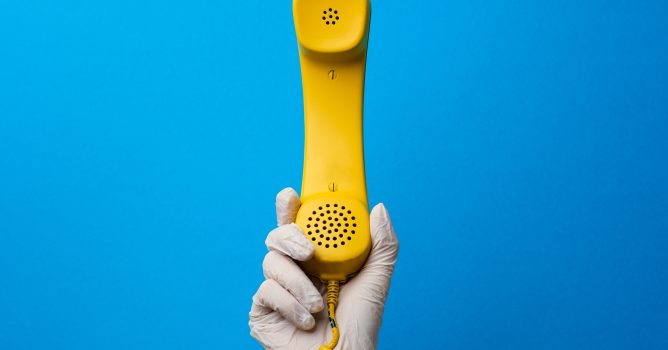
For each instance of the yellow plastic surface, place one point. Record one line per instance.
(332, 54)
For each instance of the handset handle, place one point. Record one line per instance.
(333, 143)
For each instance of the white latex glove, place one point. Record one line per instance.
(288, 309)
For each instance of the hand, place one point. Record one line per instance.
(288, 309)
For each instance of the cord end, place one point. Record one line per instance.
(332, 301)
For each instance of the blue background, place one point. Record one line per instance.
(521, 148)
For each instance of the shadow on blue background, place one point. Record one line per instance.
(520, 147)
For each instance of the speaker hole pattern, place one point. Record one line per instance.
(330, 16)
(331, 225)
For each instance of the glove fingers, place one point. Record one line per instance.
(271, 296)
(290, 241)
(287, 205)
(285, 271)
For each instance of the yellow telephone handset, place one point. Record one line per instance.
(334, 215)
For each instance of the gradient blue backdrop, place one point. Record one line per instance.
(521, 148)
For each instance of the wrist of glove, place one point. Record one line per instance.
(288, 310)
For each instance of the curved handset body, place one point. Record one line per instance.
(334, 215)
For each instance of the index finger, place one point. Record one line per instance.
(287, 206)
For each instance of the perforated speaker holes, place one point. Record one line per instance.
(330, 16)
(331, 225)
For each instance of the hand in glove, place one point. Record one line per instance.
(288, 309)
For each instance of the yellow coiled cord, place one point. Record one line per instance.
(332, 301)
